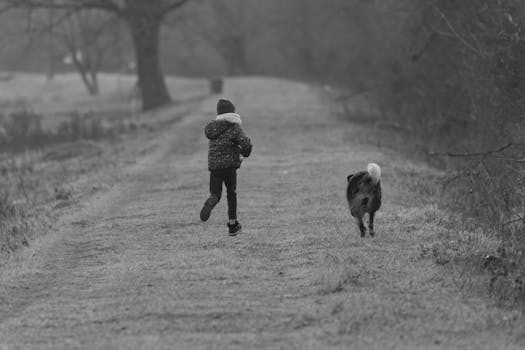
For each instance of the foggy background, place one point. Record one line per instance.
(440, 82)
(428, 65)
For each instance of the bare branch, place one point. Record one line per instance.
(173, 5)
(421, 51)
(520, 218)
(455, 32)
(76, 5)
(475, 154)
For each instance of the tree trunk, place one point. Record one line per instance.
(91, 84)
(88, 78)
(94, 81)
(145, 32)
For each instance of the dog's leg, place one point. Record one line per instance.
(371, 223)
(361, 225)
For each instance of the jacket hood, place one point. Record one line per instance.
(230, 117)
(216, 128)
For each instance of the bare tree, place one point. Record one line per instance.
(225, 26)
(230, 35)
(86, 37)
(144, 20)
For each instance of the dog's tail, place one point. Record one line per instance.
(374, 171)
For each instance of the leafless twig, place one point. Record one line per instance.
(473, 154)
(520, 218)
(455, 32)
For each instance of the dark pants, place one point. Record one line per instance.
(229, 177)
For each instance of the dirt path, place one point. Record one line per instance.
(134, 268)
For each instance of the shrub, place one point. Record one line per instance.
(82, 127)
(22, 129)
(15, 224)
(462, 92)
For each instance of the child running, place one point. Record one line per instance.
(226, 146)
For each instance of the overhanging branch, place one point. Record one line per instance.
(172, 5)
(75, 5)
(490, 154)
(474, 154)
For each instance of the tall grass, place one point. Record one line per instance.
(35, 169)
(18, 199)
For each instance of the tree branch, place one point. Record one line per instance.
(174, 5)
(421, 51)
(475, 154)
(456, 34)
(520, 218)
(75, 5)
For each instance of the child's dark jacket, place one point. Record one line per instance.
(227, 143)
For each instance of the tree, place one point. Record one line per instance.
(86, 38)
(231, 34)
(144, 20)
(223, 26)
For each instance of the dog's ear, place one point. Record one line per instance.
(349, 177)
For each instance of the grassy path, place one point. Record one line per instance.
(134, 268)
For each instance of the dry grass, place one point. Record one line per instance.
(461, 210)
(59, 145)
(135, 268)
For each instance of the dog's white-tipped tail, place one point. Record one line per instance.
(374, 171)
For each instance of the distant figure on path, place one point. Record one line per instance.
(227, 144)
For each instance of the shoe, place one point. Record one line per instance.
(207, 208)
(235, 229)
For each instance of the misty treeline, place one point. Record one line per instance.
(64, 22)
(329, 40)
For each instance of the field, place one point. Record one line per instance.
(126, 263)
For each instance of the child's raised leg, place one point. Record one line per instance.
(215, 195)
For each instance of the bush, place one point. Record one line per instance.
(21, 129)
(82, 127)
(15, 225)
(462, 93)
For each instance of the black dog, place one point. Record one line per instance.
(364, 195)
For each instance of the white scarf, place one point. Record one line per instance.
(230, 117)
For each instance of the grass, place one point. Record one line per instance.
(53, 137)
(422, 250)
(460, 243)
(20, 219)
(138, 267)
